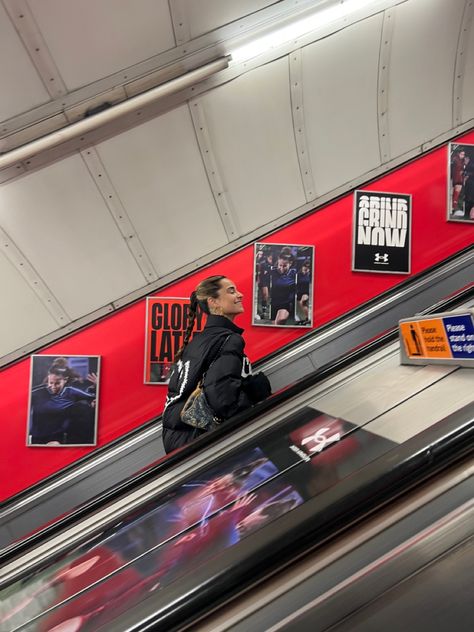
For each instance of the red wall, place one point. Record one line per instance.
(125, 402)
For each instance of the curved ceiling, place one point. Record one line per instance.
(104, 218)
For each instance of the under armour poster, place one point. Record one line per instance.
(283, 285)
(382, 232)
(460, 183)
(63, 408)
(166, 322)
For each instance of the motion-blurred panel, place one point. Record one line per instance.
(158, 173)
(381, 386)
(21, 86)
(427, 407)
(422, 58)
(251, 133)
(24, 317)
(75, 34)
(59, 221)
(338, 72)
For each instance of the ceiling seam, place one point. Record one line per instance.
(36, 47)
(103, 182)
(460, 63)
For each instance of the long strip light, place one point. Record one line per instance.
(126, 107)
(316, 20)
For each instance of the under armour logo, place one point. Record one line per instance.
(381, 258)
(320, 439)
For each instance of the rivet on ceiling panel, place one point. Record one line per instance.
(114, 204)
(296, 94)
(22, 265)
(223, 202)
(180, 21)
(461, 54)
(33, 41)
(383, 84)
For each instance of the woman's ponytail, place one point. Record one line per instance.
(208, 288)
(189, 329)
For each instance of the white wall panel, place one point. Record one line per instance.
(92, 39)
(467, 110)
(158, 173)
(207, 15)
(21, 87)
(251, 132)
(421, 71)
(61, 224)
(340, 104)
(24, 318)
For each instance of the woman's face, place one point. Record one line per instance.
(229, 300)
(56, 383)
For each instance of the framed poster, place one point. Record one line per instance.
(460, 183)
(166, 322)
(63, 398)
(283, 285)
(381, 232)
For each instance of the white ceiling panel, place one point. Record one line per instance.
(21, 87)
(90, 40)
(158, 173)
(467, 111)
(340, 104)
(24, 317)
(206, 15)
(251, 133)
(421, 74)
(59, 221)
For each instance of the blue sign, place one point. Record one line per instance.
(460, 332)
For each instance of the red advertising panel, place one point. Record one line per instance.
(119, 339)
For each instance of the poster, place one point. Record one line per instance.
(460, 183)
(381, 232)
(283, 285)
(63, 400)
(166, 322)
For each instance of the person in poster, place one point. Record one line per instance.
(461, 183)
(63, 400)
(283, 285)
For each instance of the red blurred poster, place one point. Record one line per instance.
(166, 322)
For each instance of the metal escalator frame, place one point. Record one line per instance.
(305, 528)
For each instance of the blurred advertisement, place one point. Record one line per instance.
(460, 183)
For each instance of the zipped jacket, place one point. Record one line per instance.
(226, 376)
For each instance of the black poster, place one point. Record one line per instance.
(381, 232)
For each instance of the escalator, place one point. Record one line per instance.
(73, 491)
(325, 455)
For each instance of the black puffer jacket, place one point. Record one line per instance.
(229, 384)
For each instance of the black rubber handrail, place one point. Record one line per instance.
(49, 480)
(167, 463)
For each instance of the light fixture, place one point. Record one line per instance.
(95, 121)
(316, 20)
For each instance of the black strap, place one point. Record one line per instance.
(216, 355)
